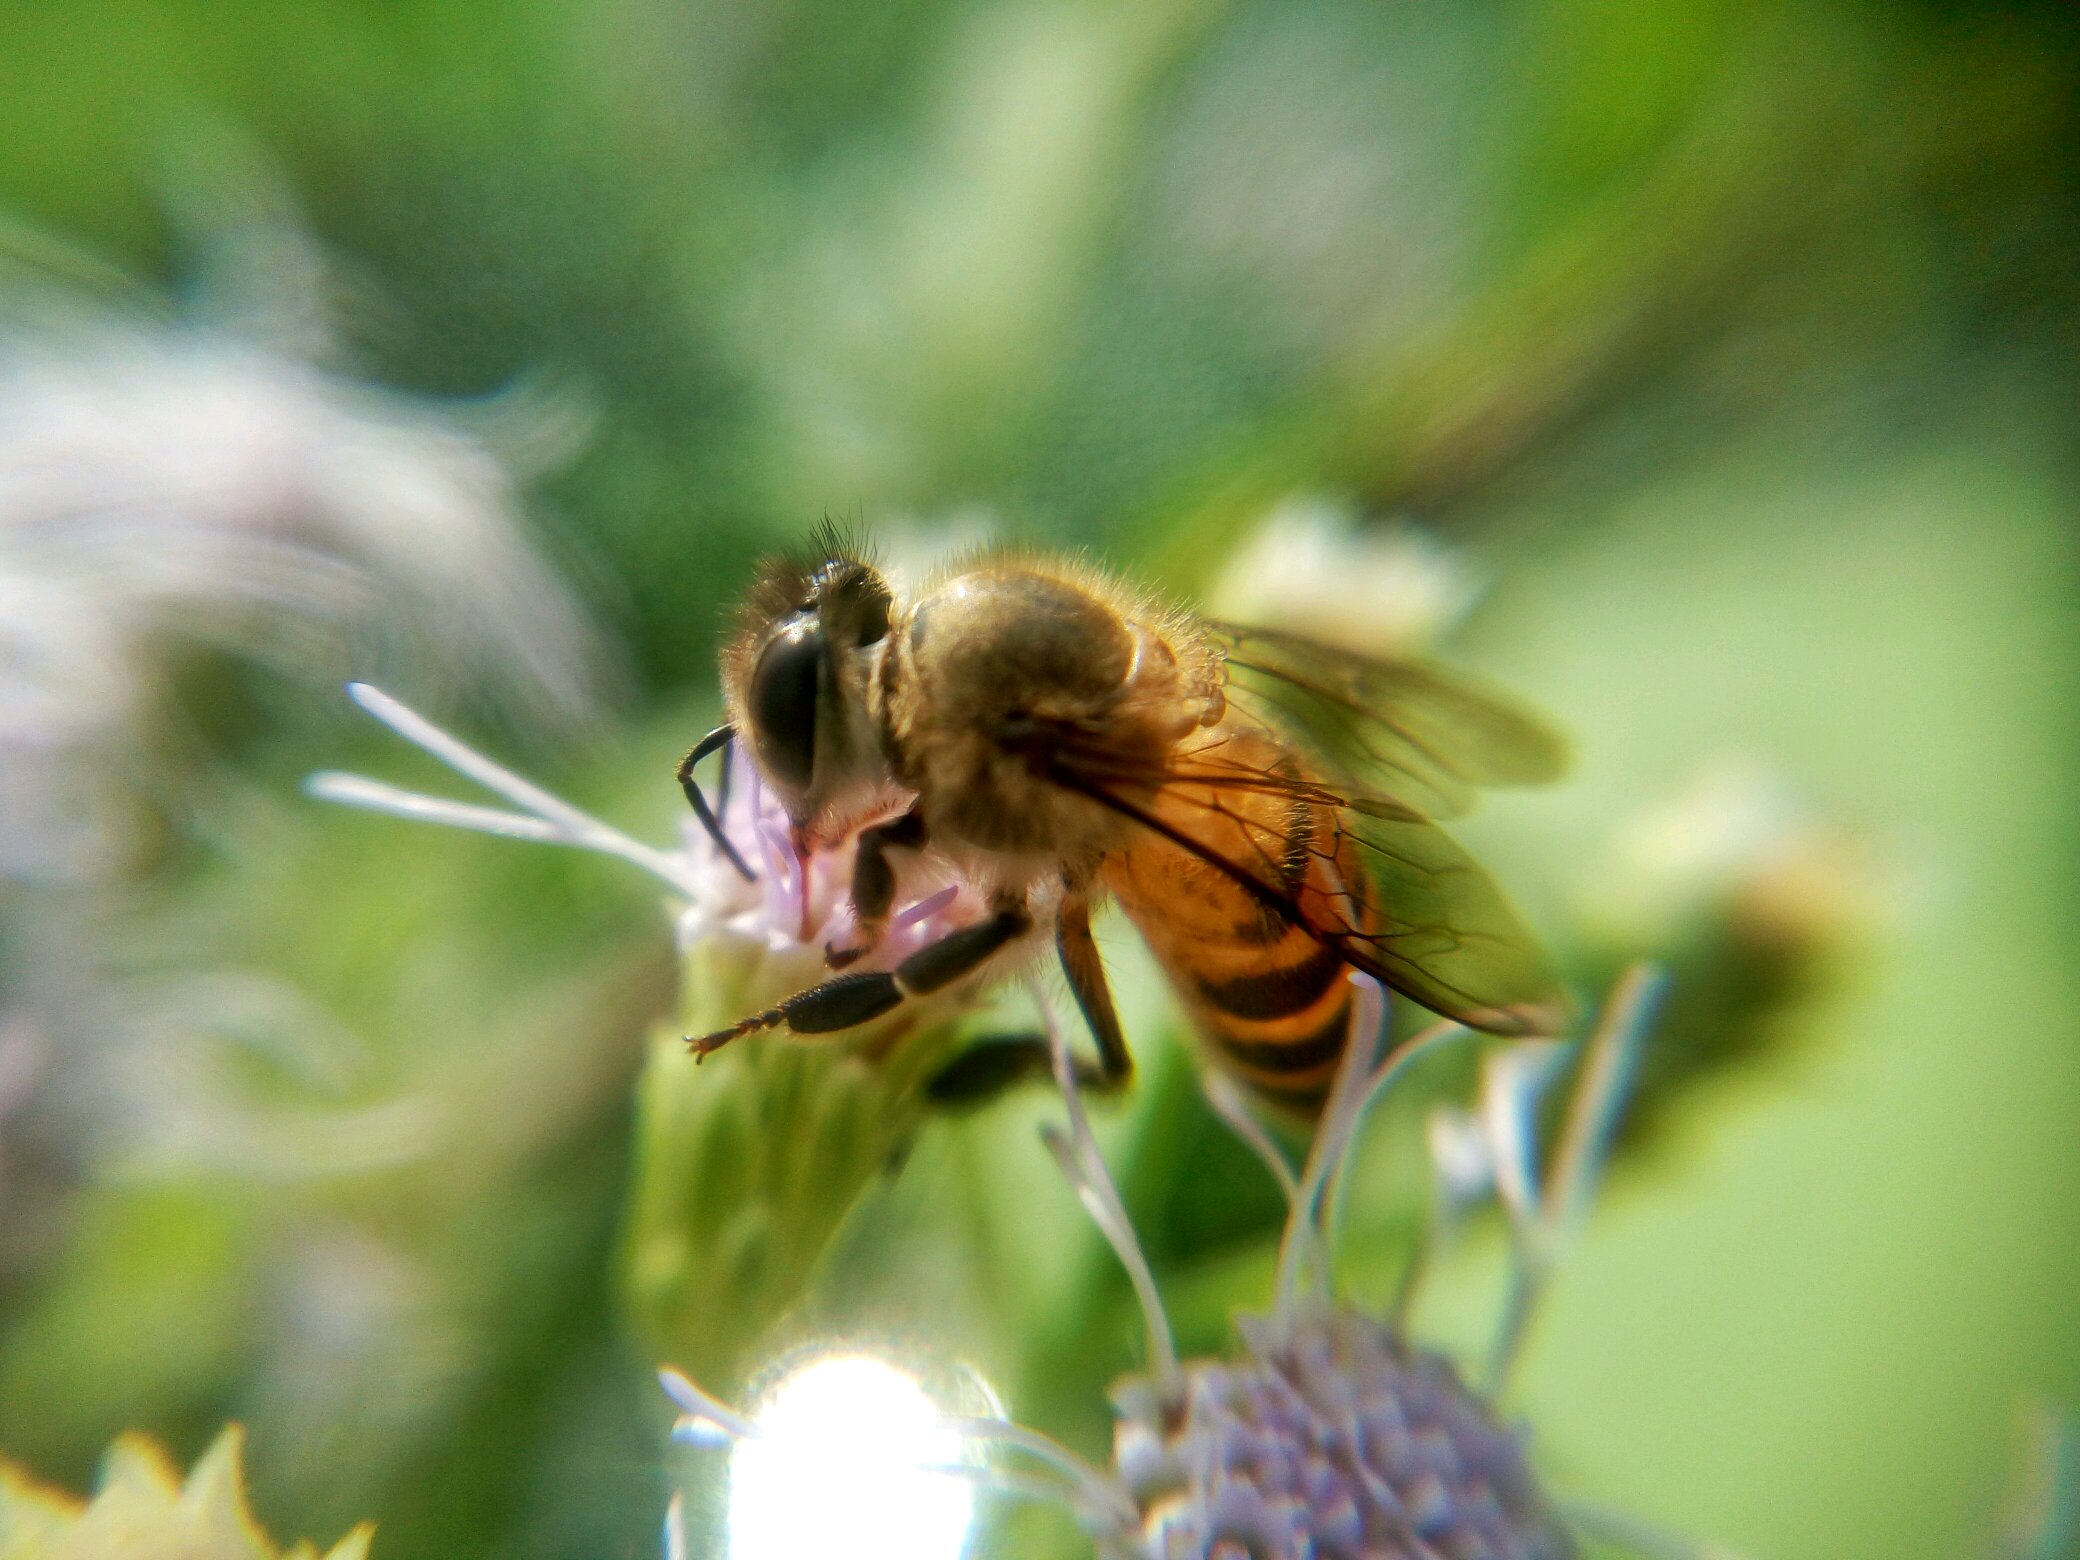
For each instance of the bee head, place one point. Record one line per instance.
(796, 676)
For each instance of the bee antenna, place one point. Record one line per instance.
(724, 738)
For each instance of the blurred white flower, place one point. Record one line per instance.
(180, 1097)
(168, 484)
(174, 484)
(2042, 1516)
(1738, 850)
(362, 1346)
(770, 929)
(1299, 169)
(1313, 565)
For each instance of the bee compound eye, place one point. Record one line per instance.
(874, 607)
(783, 701)
(857, 606)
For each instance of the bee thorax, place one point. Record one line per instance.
(990, 642)
(990, 675)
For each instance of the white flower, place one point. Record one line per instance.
(165, 485)
(179, 484)
(1736, 844)
(1312, 565)
(772, 928)
(2042, 1514)
(711, 1263)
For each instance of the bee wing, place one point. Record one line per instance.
(1445, 933)
(1420, 733)
(1439, 929)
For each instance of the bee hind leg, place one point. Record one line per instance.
(996, 1064)
(849, 1000)
(991, 1066)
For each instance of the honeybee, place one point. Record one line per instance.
(1262, 807)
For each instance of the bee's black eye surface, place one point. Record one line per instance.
(855, 603)
(874, 608)
(783, 701)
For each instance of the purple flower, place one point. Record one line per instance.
(1333, 1439)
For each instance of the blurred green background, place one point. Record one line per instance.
(1734, 348)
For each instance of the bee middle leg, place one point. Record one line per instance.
(874, 883)
(847, 1000)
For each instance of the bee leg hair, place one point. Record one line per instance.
(874, 883)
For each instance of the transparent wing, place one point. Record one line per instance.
(1411, 730)
(1427, 920)
(1445, 933)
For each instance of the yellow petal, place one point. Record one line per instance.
(355, 1545)
(32, 1515)
(214, 1501)
(136, 1468)
(142, 1511)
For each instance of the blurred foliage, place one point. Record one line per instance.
(747, 1163)
(1733, 346)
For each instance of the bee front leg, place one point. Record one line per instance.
(874, 883)
(849, 1000)
(711, 817)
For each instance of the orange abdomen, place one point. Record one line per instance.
(1266, 994)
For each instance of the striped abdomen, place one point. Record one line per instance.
(1268, 996)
